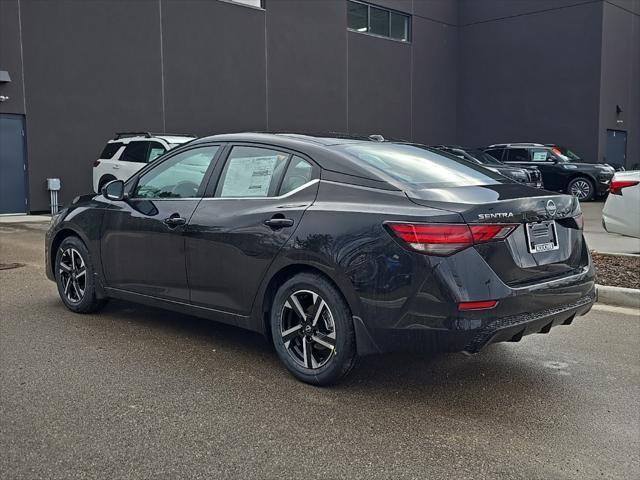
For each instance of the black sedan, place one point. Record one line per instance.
(331, 247)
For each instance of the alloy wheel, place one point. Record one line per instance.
(308, 329)
(580, 189)
(72, 273)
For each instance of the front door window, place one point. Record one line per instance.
(177, 177)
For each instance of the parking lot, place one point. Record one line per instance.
(135, 392)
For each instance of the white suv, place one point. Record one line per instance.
(128, 152)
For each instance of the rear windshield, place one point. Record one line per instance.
(422, 167)
(484, 157)
(110, 150)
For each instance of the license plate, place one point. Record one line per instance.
(542, 236)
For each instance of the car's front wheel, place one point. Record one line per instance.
(582, 188)
(312, 329)
(74, 277)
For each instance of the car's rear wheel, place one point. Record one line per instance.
(312, 329)
(582, 188)
(74, 277)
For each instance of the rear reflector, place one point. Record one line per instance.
(483, 305)
(617, 185)
(96, 163)
(447, 238)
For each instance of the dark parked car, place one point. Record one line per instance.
(528, 175)
(559, 172)
(574, 157)
(331, 247)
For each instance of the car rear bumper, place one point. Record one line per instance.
(513, 328)
(519, 312)
(470, 341)
(460, 338)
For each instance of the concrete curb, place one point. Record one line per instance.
(619, 296)
(612, 254)
(13, 219)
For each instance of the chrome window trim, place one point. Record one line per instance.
(288, 194)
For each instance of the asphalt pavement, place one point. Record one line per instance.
(134, 392)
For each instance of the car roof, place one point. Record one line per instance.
(124, 137)
(329, 138)
(516, 144)
(174, 138)
(320, 147)
(139, 138)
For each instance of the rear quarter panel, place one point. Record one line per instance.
(343, 235)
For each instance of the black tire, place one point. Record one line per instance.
(75, 279)
(581, 187)
(104, 180)
(309, 356)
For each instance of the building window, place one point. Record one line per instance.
(365, 18)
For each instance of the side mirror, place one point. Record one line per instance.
(114, 190)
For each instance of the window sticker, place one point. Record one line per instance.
(540, 156)
(249, 177)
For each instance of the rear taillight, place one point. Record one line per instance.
(486, 233)
(617, 185)
(96, 163)
(446, 238)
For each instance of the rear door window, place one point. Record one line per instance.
(298, 173)
(252, 172)
(135, 152)
(517, 155)
(540, 155)
(422, 167)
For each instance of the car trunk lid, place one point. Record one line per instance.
(546, 221)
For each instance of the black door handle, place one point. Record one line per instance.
(174, 221)
(278, 222)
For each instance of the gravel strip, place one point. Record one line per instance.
(617, 271)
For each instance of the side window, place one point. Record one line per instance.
(517, 155)
(110, 150)
(540, 155)
(177, 177)
(155, 150)
(496, 153)
(135, 152)
(252, 172)
(298, 173)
